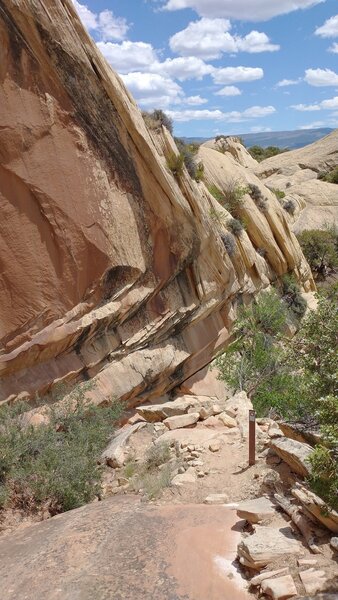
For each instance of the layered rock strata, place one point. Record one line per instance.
(111, 269)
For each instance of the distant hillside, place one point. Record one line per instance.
(282, 139)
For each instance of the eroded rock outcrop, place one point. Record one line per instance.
(110, 268)
(315, 202)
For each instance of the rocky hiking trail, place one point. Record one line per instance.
(197, 524)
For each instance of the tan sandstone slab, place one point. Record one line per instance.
(313, 580)
(294, 453)
(280, 588)
(181, 421)
(255, 510)
(266, 545)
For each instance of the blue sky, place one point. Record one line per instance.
(224, 66)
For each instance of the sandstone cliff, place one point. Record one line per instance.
(296, 174)
(110, 268)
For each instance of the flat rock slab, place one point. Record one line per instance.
(255, 510)
(281, 588)
(295, 454)
(181, 421)
(121, 549)
(266, 545)
(313, 580)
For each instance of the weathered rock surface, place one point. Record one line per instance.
(313, 580)
(255, 510)
(316, 507)
(111, 270)
(280, 588)
(114, 454)
(296, 172)
(217, 499)
(295, 454)
(181, 421)
(123, 549)
(257, 580)
(266, 545)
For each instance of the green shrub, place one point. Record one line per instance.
(154, 473)
(216, 193)
(157, 455)
(55, 464)
(157, 119)
(235, 226)
(278, 193)
(175, 163)
(329, 176)
(292, 296)
(260, 153)
(320, 248)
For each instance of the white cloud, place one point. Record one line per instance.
(128, 56)
(259, 129)
(334, 48)
(209, 38)
(196, 115)
(107, 26)
(305, 107)
(195, 100)
(237, 74)
(286, 82)
(250, 10)
(329, 29)
(313, 125)
(321, 77)
(254, 42)
(229, 90)
(153, 90)
(217, 115)
(182, 68)
(330, 104)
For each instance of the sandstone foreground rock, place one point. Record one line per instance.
(112, 270)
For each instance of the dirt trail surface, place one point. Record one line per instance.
(123, 549)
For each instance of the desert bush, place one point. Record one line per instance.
(236, 227)
(278, 193)
(258, 197)
(229, 243)
(320, 248)
(55, 464)
(216, 193)
(260, 153)
(292, 296)
(154, 473)
(233, 194)
(156, 119)
(175, 164)
(262, 252)
(188, 153)
(290, 206)
(329, 176)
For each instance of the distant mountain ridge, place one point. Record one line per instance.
(282, 139)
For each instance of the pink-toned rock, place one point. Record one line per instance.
(181, 421)
(313, 580)
(280, 588)
(226, 420)
(211, 422)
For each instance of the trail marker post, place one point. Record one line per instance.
(252, 437)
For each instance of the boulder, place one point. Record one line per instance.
(280, 588)
(266, 545)
(181, 421)
(114, 454)
(226, 420)
(158, 412)
(215, 446)
(334, 543)
(188, 477)
(313, 580)
(295, 454)
(316, 507)
(255, 510)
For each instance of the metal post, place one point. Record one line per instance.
(252, 437)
